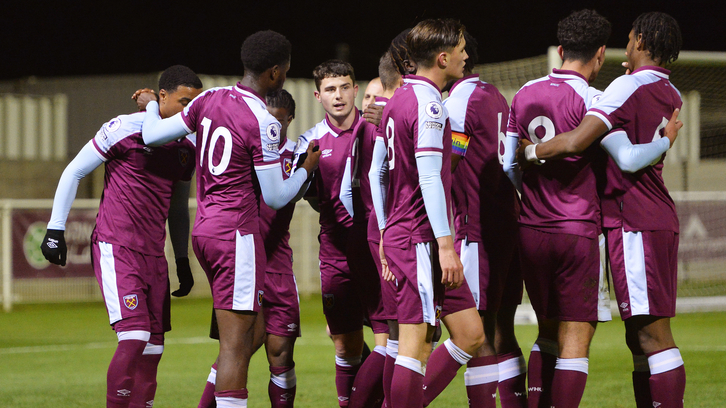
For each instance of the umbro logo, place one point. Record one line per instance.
(327, 152)
(52, 243)
(656, 404)
(291, 327)
(624, 306)
(286, 396)
(150, 404)
(123, 393)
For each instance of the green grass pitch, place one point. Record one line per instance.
(57, 356)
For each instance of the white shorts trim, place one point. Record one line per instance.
(634, 259)
(424, 277)
(244, 296)
(108, 281)
(470, 260)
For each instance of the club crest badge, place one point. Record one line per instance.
(183, 157)
(273, 131)
(287, 166)
(434, 109)
(260, 296)
(328, 301)
(131, 301)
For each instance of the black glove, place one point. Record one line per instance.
(186, 280)
(303, 156)
(54, 247)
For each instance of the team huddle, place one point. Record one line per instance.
(532, 198)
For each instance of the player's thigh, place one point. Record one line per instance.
(342, 307)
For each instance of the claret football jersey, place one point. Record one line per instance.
(641, 104)
(235, 136)
(560, 195)
(138, 184)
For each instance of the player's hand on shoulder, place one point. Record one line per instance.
(54, 247)
(184, 274)
(519, 156)
(143, 97)
(373, 113)
(673, 126)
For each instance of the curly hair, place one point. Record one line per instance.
(399, 52)
(582, 33)
(431, 37)
(331, 69)
(263, 50)
(661, 36)
(471, 46)
(178, 75)
(283, 100)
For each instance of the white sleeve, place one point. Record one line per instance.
(346, 188)
(157, 131)
(432, 189)
(83, 164)
(278, 192)
(378, 177)
(629, 157)
(510, 166)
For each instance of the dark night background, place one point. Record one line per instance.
(89, 38)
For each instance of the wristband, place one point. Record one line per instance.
(531, 155)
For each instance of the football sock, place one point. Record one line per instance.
(282, 387)
(345, 372)
(441, 369)
(407, 385)
(667, 378)
(121, 372)
(368, 384)
(481, 379)
(145, 377)
(641, 381)
(231, 398)
(388, 367)
(512, 380)
(569, 381)
(541, 369)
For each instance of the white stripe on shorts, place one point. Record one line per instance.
(424, 277)
(244, 273)
(603, 294)
(108, 279)
(634, 259)
(470, 260)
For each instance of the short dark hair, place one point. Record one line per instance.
(331, 69)
(178, 75)
(581, 34)
(263, 50)
(430, 37)
(471, 45)
(282, 99)
(387, 71)
(661, 36)
(399, 51)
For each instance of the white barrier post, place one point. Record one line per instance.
(7, 252)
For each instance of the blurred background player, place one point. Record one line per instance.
(280, 306)
(486, 208)
(342, 290)
(142, 187)
(416, 239)
(560, 215)
(373, 89)
(238, 137)
(639, 216)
